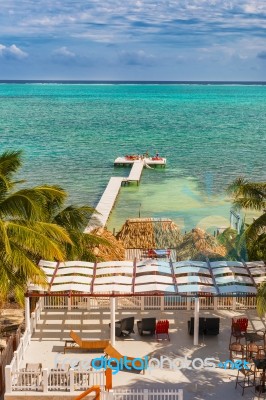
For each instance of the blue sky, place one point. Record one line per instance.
(133, 39)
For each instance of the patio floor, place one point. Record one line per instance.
(205, 384)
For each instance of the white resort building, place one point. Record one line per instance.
(188, 312)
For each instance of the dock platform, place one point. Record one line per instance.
(147, 160)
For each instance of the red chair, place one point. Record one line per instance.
(243, 323)
(162, 328)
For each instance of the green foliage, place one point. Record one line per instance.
(261, 299)
(34, 225)
(250, 195)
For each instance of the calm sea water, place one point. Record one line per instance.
(71, 135)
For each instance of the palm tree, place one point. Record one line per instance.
(25, 236)
(234, 243)
(34, 225)
(252, 195)
(74, 219)
(249, 195)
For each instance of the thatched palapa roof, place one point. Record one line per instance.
(198, 244)
(149, 233)
(115, 250)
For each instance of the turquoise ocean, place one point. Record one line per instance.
(70, 135)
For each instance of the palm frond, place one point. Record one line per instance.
(256, 228)
(32, 239)
(4, 239)
(10, 162)
(248, 194)
(261, 299)
(25, 204)
(73, 217)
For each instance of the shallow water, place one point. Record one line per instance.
(71, 135)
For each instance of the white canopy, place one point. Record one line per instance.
(118, 278)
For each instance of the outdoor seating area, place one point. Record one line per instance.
(146, 326)
(207, 326)
(96, 306)
(124, 327)
(249, 346)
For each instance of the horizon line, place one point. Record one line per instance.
(130, 81)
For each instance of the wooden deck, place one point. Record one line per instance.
(147, 160)
(105, 205)
(107, 201)
(136, 171)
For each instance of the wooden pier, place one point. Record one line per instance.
(105, 205)
(107, 201)
(136, 171)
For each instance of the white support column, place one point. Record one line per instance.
(45, 380)
(71, 380)
(215, 303)
(188, 303)
(27, 313)
(234, 304)
(112, 310)
(109, 395)
(69, 303)
(196, 321)
(15, 356)
(142, 299)
(145, 394)
(8, 379)
(162, 303)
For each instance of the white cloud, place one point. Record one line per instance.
(12, 52)
(64, 52)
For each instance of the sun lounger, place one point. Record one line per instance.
(77, 343)
(146, 326)
(138, 365)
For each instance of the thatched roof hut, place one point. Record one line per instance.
(149, 233)
(114, 251)
(199, 244)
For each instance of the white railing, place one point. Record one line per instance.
(245, 302)
(58, 380)
(53, 380)
(85, 379)
(129, 303)
(146, 303)
(207, 303)
(175, 303)
(143, 394)
(55, 302)
(26, 381)
(19, 353)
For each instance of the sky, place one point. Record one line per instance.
(133, 40)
